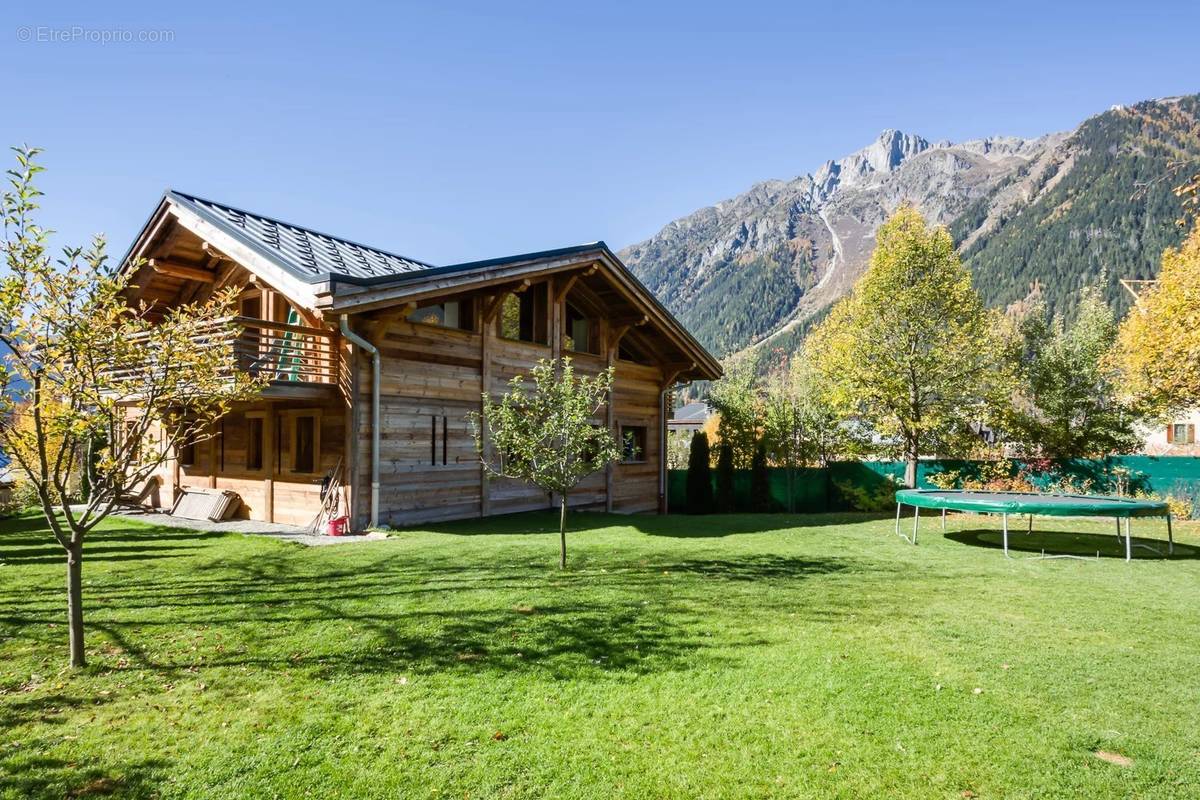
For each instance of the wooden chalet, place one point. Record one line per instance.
(375, 360)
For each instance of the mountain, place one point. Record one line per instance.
(1060, 210)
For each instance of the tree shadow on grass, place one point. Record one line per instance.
(34, 775)
(1075, 543)
(426, 616)
(686, 526)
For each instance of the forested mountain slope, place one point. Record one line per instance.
(1061, 209)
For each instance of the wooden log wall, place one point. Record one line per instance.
(432, 379)
(274, 493)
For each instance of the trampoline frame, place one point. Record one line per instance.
(1116, 507)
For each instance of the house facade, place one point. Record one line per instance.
(375, 361)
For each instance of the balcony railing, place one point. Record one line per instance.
(286, 353)
(283, 354)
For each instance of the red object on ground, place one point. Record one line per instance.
(337, 527)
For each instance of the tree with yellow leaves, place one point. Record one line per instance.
(1158, 345)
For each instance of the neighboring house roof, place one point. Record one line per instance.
(308, 254)
(692, 413)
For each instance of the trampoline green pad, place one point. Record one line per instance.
(1051, 505)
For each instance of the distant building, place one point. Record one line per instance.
(689, 418)
(1177, 437)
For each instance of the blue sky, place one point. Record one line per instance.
(455, 131)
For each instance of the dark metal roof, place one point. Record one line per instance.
(310, 255)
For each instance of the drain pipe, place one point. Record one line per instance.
(358, 341)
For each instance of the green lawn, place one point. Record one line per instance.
(737, 656)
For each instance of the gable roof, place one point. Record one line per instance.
(348, 274)
(309, 255)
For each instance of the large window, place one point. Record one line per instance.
(581, 332)
(450, 314)
(523, 315)
(1180, 433)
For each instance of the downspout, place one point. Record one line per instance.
(662, 447)
(358, 341)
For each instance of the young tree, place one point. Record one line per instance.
(725, 500)
(909, 351)
(95, 390)
(1158, 344)
(800, 424)
(760, 481)
(547, 434)
(735, 400)
(1065, 403)
(699, 476)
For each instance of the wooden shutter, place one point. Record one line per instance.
(1191, 434)
(1170, 433)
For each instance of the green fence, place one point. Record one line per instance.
(838, 486)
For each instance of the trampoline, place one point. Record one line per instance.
(1032, 504)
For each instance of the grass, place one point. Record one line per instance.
(730, 656)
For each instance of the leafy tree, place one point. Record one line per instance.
(760, 481)
(699, 476)
(546, 434)
(910, 351)
(735, 400)
(95, 390)
(800, 423)
(725, 498)
(1158, 344)
(1065, 403)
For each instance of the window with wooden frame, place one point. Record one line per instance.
(250, 304)
(302, 440)
(458, 314)
(581, 332)
(633, 444)
(1181, 433)
(523, 315)
(256, 431)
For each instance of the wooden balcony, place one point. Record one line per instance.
(299, 362)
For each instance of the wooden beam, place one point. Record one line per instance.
(628, 322)
(561, 294)
(377, 328)
(491, 306)
(673, 371)
(178, 269)
(184, 271)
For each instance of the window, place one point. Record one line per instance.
(523, 315)
(450, 314)
(304, 453)
(580, 332)
(303, 441)
(187, 454)
(255, 435)
(633, 443)
(251, 306)
(1181, 433)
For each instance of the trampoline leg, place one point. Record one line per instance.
(1170, 538)
(1128, 542)
(1118, 521)
(916, 522)
(897, 519)
(943, 520)
(1031, 523)
(1004, 518)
